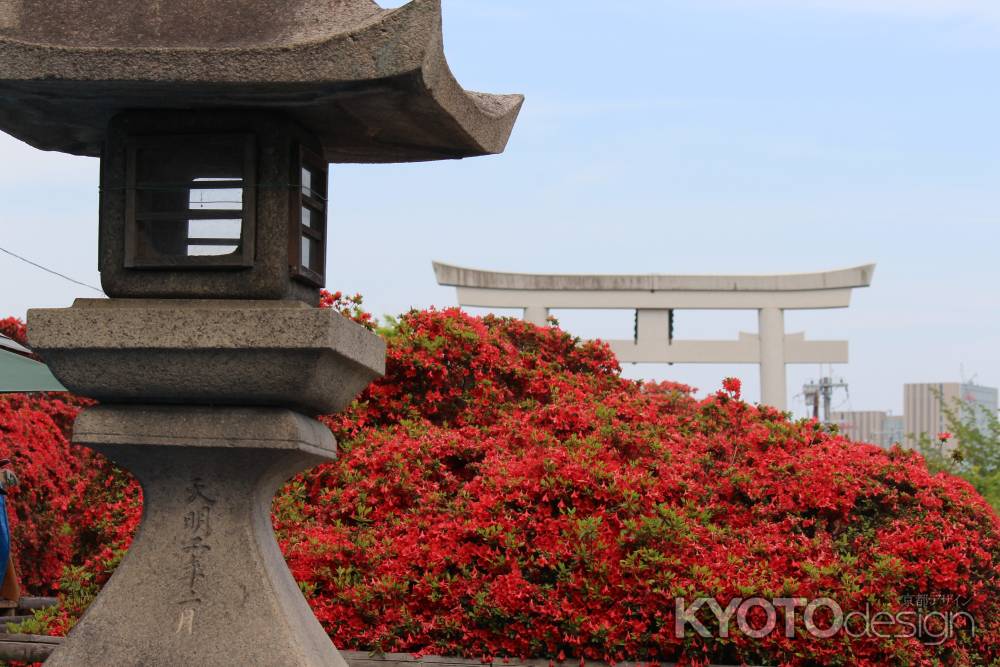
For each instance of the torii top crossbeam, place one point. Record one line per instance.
(654, 297)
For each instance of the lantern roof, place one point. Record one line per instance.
(372, 84)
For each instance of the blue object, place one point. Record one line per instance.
(4, 538)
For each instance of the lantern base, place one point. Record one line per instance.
(204, 582)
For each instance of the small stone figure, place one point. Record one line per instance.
(10, 587)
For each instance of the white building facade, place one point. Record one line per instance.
(923, 405)
(872, 426)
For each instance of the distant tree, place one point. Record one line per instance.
(969, 449)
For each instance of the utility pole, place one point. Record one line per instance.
(823, 390)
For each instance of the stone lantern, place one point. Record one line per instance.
(215, 121)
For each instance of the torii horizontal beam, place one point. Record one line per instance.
(492, 289)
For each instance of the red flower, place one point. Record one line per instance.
(733, 386)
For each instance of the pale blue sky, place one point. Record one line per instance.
(708, 136)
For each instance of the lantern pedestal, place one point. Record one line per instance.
(204, 582)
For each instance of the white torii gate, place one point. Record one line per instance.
(654, 298)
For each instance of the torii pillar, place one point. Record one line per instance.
(771, 332)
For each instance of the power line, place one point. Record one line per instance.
(48, 270)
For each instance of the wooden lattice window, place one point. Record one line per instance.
(190, 201)
(307, 228)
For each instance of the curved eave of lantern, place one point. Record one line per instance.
(378, 92)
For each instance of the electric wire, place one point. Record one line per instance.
(48, 270)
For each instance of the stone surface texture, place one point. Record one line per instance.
(215, 352)
(201, 427)
(372, 84)
(204, 582)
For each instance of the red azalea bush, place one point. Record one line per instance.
(72, 511)
(44, 509)
(504, 492)
(15, 329)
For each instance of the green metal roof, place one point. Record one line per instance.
(20, 374)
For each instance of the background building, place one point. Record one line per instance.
(923, 402)
(922, 413)
(872, 426)
(894, 430)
